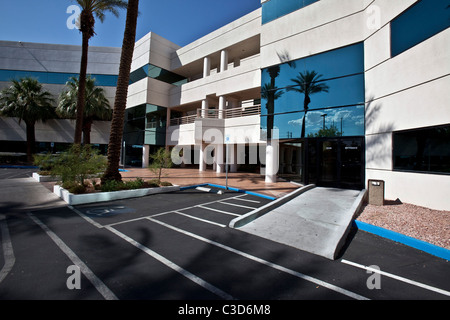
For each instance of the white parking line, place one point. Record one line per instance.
(200, 219)
(267, 263)
(98, 284)
(217, 210)
(393, 276)
(173, 266)
(8, 251)
(248, 200)
(237, 205)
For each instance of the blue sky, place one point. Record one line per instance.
(180, 21)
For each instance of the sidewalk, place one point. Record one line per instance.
(316, 221)
(192, 176)
(24, 194)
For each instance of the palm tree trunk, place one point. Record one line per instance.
(115, 138)
(306, 102)
(87, 126)
(31, 141)
(81, 89)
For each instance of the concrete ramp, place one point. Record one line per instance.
(313, 219)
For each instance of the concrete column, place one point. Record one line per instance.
(206, 67)
(205, 106)
(282, 149)
(223, 60)
(145, 155)
(222, 107)
(167, 117)
(271, 161)
(202, 162)
(220, 165)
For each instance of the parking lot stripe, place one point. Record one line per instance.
(98, 284)
(217, 210)
(8, 251)
(200, 219)
(248, 200)
(237, 205)
(393, 276)
(172, 265)
(85, 217)
(267, 263)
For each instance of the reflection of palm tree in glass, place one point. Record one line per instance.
(307, 83)
(270, 93)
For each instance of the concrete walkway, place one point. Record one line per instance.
(243, 180)
(315, 221)
(25, 194)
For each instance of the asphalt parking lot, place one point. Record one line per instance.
(178, 246)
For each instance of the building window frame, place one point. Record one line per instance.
(396, 154)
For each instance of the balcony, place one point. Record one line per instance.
(218, 114)
(241, 124)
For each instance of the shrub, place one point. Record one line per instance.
(74, 166)
(113, 185)
(166, 184)
(161, 160)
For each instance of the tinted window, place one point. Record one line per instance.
(425, 150)
(157, 73)
(420, 22)
(274, 9)
(55, 78)
(328, 86)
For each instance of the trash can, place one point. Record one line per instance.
(376, 192)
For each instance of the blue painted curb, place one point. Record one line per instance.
(229, 188)
(401, 238)
(17, 167)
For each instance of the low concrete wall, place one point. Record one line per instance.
(249, 217)
(76, 199)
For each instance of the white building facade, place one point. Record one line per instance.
(53, 65)
(335, 93)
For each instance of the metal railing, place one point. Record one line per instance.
(218, 114)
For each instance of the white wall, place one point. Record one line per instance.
(404, 92)
(54, 130)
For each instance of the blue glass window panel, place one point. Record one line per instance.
(420, 22)
(157, 73)
(274, 9)
(347, 121)
(55, 77)
(289, 125)
(331, 64)
(341, 92)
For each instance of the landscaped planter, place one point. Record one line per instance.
(76, 199)
(40, 178)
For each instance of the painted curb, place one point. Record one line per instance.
(229, 188)
(406, 240)
(39, 178)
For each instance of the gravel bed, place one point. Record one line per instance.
(432, 226)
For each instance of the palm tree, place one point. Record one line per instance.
(120, 103)
(87, 24)
(26, 100)
(307, 83)
(97, 106)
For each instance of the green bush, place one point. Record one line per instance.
(74, 166)
(166, 184)
(112, 185)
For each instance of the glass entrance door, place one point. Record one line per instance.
(335, 162)
(328, 170)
